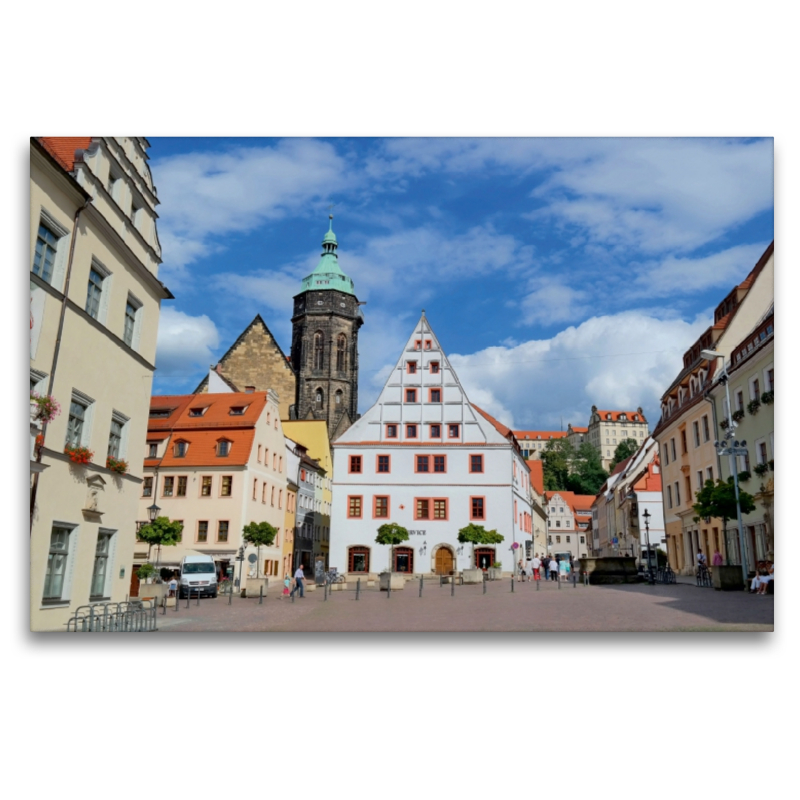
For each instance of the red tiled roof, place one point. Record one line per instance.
(576, 429)
(498, 425)
(202, 448)
(522, 435)
(622, 464)
(63, 148)
(615, 416)
(579, 503)
(537, 474)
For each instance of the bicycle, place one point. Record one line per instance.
(703, 575)
(334, 576)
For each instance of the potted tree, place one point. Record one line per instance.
(161, 532)
(391, 534)
(260, 534)
(719, 500)
(477, 534)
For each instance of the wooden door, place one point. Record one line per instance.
(444, 561)
(134, 582)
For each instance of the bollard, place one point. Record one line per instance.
(325, 591)
(558, 579)
(188, 597)
(537, 585)
(574, 581)
(358, 587)
(261, 595)
(230, 595)
(177, 598)
(512, 583)
(484, 583)
(164, 605)
(389, 588)
(420, 585)
(585, 578)
(198, 597)
(441, 581)
(452, 586)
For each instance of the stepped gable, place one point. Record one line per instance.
(256, 359)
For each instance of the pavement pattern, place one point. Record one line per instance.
(632, 607)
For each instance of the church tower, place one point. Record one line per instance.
(325, 323)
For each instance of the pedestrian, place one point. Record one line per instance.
(173, 586)
(536, 563)
(564, 568)
(701, 558)
(520, 572)
(299, 579)
(553, 569)
(287, 582)
(717, 559)
(546, 565)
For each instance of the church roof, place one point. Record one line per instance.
(328, 274)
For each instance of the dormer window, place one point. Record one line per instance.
(180, 449)
(608, 416)
(223, 447)
(197, 412)
(160, 413)
(622, 416)
(237, 411)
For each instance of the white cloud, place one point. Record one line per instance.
(186, 344)
(551, 302)
(618, 361)
(207, 194)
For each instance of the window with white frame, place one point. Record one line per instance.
(57, 573)
(101, 572)
(117, 435)
(48, 255)
(755, 391)
(79, 420)
(710, 473)
(699, 479)
(97, 291)
(132, 325)
(37, 381)
(669, 496)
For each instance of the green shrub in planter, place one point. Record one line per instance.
(753, 406)
(737, 415)
(768, 398)
(145, 571)
(744, 476)
(761, 469)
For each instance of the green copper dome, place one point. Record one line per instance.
(328, 274)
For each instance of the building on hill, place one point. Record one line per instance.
(216, 462)
(576, 435)
(608, 428)
(426, 458)
(325, 323)
(538, 506)
(568, 517)
(254, 362)
(94, 309)
(533, 442)
(690, 425)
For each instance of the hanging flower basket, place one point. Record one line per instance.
(768, 398)
(724, 423)
(753, 406)
(44, 407)
(761, 469)
(744, 476)
(737, 415)
(117, 465)
(79, 455)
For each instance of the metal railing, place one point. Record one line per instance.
(133, 616)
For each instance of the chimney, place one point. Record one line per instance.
(249, 389)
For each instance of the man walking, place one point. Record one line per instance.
(546, 562)
(299, 579)
(553, 569)
(535, 564)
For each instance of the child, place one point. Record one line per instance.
(287, 582)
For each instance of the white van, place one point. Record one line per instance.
(198, 575)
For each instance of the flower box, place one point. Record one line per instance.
(753, 406)
(761, 469)
(723, 423)
(737, 415)
(768, 398)
(44, 407)
(79, 455)
(117, 465)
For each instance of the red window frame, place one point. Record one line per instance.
(477, 507)
(418, 344)
(427, 344)
(426, 460)
(431, 508)
(440, 459)
(378, 464)
(450, 426)
(375, 499)
(350, 505)
(356, 464)
(417, 501)
(391, 430)
(411, 395)
(433, 367)
(431, 434)
(438, 398)
(436, 500)
(471, 467)
(411, 367)
(409, 433)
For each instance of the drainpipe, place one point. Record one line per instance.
(53, 366)
(719, 463)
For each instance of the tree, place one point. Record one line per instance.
(477, 534)
(719, 500)
(392, 534)
(587, 474)
(259, 533)
(557, 459)
(626, 448)
(162, 532)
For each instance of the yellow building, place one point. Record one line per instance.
(95, 304)
(313, 435)
(689, 425)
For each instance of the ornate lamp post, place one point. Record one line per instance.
(646, 517)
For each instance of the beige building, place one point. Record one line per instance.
(538, 507)
(216, 462)
(689, 424)
(568, 519)
(608, 428)
(95, 303)
(532, 443)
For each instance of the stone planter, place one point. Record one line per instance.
(397, 579)
(611, 569)
(473, 575)
(252, 587)
(495, 574)
(727, 578)
(156, 591)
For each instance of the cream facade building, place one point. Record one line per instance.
(689, 424)
(532, 443)
(217, 462)
(608, 428)
(95, 304)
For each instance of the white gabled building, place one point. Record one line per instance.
(426, 458)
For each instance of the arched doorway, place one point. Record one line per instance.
(403, 559)
(444, 563)
(358, 559)
(484, 557)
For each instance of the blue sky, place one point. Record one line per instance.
(557, 273)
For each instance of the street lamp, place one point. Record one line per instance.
(646, 517)
(730, 448)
